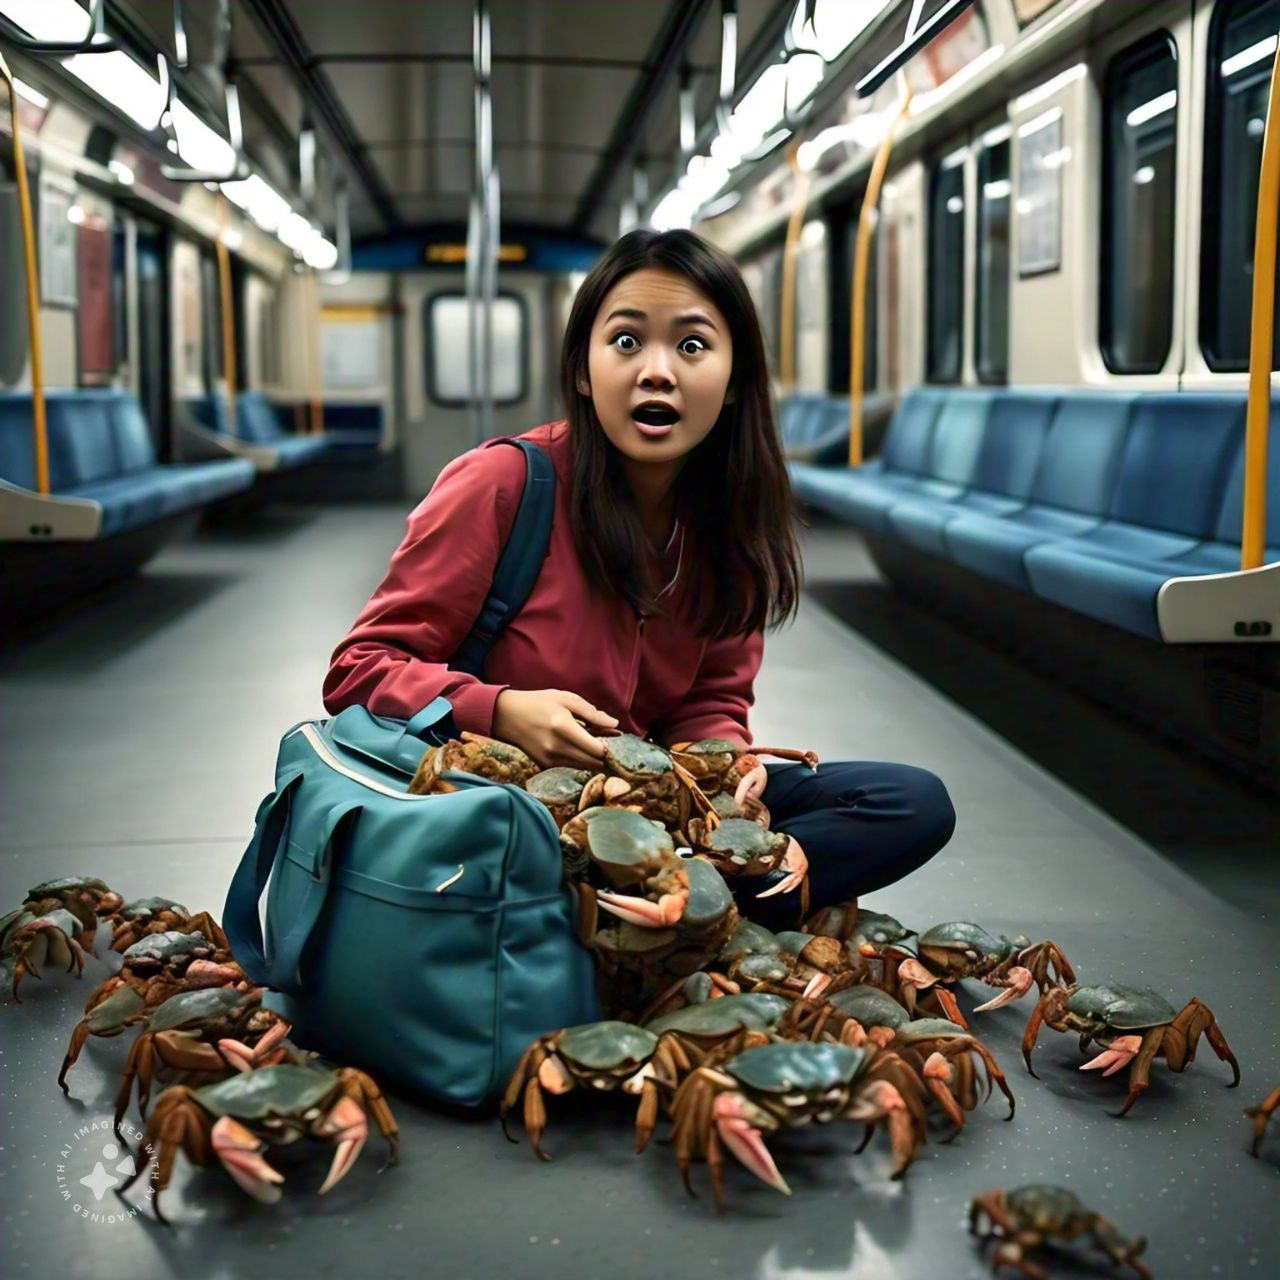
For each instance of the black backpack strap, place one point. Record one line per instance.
(520, 562)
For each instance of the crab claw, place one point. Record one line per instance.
(552, 1076)
(635, 1084)
(912, 971)
(640, 911)
(348, 1123)
(1118, 1054)
(243, 1058)
(238, 1149)
(1020, 982)
(816, 986)
(732, 1115)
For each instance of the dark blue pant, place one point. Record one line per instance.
(862, 825)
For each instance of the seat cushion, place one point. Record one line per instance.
(862, 496)
(906, 445)
(995, 546)
(145, 496)
(1121, 592)
(1228, 525)
(1176, 461)
(297, 451)
(1016, 428)
(134, 450)
(1081, 452)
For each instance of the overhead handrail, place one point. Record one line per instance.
(228, 315)
(96, 41)
(1262, 337)
(801, 178)
(179, 37)
(39, 424)
(861, 272)
(239, 165)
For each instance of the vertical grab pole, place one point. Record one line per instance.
(861, 265)
(228, 315)
(1262, 336)
(33, 296)
(799, 205)
(315, 350)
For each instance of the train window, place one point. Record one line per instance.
(1242, 47)
(448, 346)
(1139, 195)
(844, 239)
(991, 321)
(13, 280)
(946, 271)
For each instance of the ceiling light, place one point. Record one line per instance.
(125, 84)
(198, 145)
(33, 96)
(54, 21)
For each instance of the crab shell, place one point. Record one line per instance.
(635, 759)
(1119, 1007)
(871, 1007)
(619, 1048)
(144, 908)
(708, 761)
(163, 948)
(962, 948)
(746, 848)
(191, 1008)
(783, 1070)
(1043, 1209)
(294, 1096)
(753, 1011)
(560, 789)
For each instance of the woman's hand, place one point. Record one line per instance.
(793, 861)
(547, 724)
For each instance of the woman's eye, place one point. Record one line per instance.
(699, 346)
(626, 337)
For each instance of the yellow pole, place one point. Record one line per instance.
(228, 315)
(33, 293)
(861, 263)
(799, 203)
(317, 400)
(1262, 337)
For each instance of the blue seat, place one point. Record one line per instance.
(954, 450)
(100, 449)
(1074, 475)
(258, 425)
(1166, 516)
(863, 495)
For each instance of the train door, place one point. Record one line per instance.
(153, 322)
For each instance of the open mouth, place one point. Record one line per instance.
(655, 415)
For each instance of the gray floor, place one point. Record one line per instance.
(139, 734)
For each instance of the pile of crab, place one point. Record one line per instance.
(235, 1082)
(727, 1031)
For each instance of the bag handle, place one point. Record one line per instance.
(280, 970)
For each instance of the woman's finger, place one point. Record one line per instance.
(576, 741)
(584, 710)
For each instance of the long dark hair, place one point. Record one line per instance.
(733, 494)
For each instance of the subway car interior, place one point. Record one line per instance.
(269, 267)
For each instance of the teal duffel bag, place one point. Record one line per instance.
(428, 939)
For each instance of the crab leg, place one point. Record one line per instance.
(733, 1116)
(1017, 982)
(243, 1058)
(1116, 1056)
(237, 1149)
(347, 1123)
(662, 914)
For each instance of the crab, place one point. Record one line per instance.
(143, 916)
(738, 846)
(639, 774)
(869, 931)
(782, 1084)
(646, 968)
(213, 1032)
(1134, 1025)
(86, 897)
(939, 1050)
(1260, 1115)
(718, 765)
(627, 850)
(153, 969)
(473, 753)
(560, 789)
(29, 939)
(959, 949)
(1030, 1216)
(235, 1119)
(599, 1055)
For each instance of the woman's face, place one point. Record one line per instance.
(656, 341)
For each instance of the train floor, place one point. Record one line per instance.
(139, 734)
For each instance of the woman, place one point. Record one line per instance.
(673, 546)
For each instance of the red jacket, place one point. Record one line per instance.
(654, 674)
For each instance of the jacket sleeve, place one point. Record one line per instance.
(394, 660)
(722, 693)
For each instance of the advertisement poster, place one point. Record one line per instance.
(57, 246)
(1039, 207)
(96, 335)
